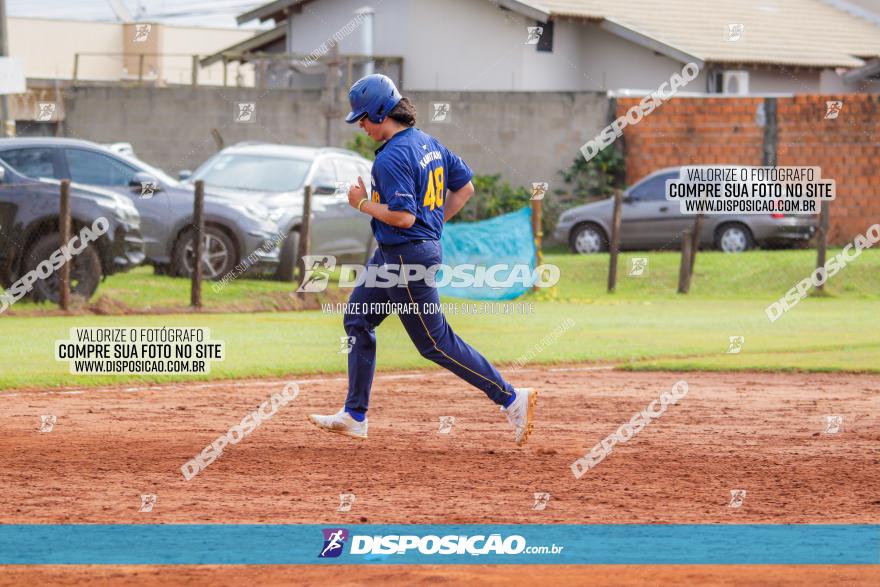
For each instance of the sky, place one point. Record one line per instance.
(207, 13)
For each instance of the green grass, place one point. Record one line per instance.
(763, 275)
(818, 335)
(142, 291)
(645, 325)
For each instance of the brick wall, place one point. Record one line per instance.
(727, 131)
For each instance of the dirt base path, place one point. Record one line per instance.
(766, 434)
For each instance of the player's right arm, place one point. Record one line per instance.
(393, 177)
(381, 212)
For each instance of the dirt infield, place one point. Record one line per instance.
(762, 433)
(470, 575)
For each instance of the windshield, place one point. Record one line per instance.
(254, 172)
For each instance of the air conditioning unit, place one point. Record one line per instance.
(735, 82)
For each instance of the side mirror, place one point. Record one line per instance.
(143, 181)
(184, 174)
(629, 199)
(324, 190)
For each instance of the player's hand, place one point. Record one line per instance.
(356, 193)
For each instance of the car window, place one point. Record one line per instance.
(654, 189)
(33, 162)
(348, 171)
(97, 169)
(365, 170)
(258, 173)
(325, 174)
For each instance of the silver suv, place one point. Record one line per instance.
(275, 175)
(650, 221)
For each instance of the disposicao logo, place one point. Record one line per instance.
(334, 540)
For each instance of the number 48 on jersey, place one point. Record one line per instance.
(436, 189)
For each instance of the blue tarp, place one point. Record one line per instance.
(505, 239)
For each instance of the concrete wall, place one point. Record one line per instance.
(526, 137)
(48, 48)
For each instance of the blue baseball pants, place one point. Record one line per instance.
(428, 330)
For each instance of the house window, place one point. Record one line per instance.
(545, 43)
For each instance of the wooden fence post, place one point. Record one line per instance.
(64, 220)
(822, 237)
(537, 233)
(614, 245)
(199, 229)
(684, 271)
(305, 234)
(695, 244)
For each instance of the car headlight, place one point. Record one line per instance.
(277, 214)
(255, 211)
(126, 212)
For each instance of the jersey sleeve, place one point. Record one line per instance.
(457, 171)
(396, 183)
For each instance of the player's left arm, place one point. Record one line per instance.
(458, 180)
(456, 200)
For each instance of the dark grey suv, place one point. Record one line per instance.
(30, 234)
(649, 221)
(233, 229)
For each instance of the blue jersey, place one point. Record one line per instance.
(411, 173)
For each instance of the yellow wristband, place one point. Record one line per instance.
(361, 203)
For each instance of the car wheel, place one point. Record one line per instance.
(289, 257)
(588, 238)
(734, 238)
(218, 254)
(85, 270)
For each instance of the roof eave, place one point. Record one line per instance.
(266, 12)
(247, 45)
(524, 9)
(863, 73)
(632, 35)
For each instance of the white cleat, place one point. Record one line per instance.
(521, 413)
(341, 423)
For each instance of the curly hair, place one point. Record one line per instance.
(404, 112)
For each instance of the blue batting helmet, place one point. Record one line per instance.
(374, 96)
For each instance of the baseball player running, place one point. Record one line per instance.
(417, 184)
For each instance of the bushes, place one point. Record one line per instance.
(492, 197)
(363, 145)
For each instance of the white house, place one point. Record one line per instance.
(741, 46)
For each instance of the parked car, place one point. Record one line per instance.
(275, 176)
(649, 221)
(233, 229)
(30, 233)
